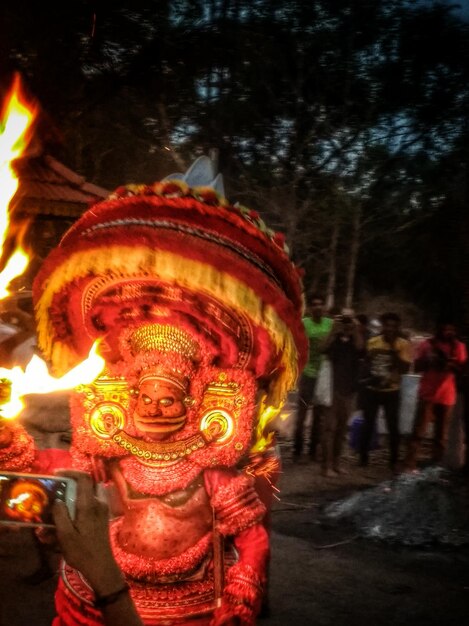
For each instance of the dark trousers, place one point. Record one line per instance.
(465, 419)
(372, 400)
(428, 412)
(335, 427)
(305, 401)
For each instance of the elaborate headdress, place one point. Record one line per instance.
(157, 350)
(181, 256)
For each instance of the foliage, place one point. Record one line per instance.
(339, 120)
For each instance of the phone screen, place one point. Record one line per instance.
(28, 498)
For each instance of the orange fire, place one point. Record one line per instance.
(16, 121)
(36, 379)
(15, 133)
(264, 438)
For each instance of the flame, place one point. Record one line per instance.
(267, 414)
(263, 439)
(36, 379)
(17, 118)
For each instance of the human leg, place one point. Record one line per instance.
(443, 416)
(370, 409)
(329, 420)
(390, 404)
(346, 404)
(423, 417)
(465, 418)
(317, 424)
(305, 396)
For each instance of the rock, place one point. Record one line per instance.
(415, 509)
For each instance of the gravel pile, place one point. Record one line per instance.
(413, 509)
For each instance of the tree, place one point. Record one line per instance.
(333, 118)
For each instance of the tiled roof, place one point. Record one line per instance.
(48, 186)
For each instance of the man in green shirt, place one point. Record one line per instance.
(317, 327)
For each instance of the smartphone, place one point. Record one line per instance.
(27, 499)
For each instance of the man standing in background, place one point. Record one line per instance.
(317, 327)
(439, 360)
(388, 357)
(344, 347)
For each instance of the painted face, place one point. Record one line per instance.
(160, 409)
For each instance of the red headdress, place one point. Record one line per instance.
(173, 254)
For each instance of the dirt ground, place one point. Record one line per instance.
(325, 573)
(322, 573)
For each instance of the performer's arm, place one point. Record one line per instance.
(239, 514)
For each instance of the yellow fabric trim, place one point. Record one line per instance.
(169, 267)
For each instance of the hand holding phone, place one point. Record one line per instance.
(28, 499)
(85, 541)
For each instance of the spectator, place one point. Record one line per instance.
(344, 347)
(362, 322)
(388, 357)
(317, 327)
(464, 389)
(86, 546)
(439, 359)
(364, 331)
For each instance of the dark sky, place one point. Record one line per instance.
(461, 7)
(462, 10)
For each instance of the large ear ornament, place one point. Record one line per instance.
(105, 402)
(226, 416)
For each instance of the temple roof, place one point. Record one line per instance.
(49, 187)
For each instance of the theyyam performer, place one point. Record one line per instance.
(198, 309)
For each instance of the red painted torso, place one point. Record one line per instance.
(161, 527)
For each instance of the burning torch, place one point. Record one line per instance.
(15, 383)
(16, 121)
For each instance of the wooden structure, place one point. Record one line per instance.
(50, 198)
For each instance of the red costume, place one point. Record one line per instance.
(199, 312)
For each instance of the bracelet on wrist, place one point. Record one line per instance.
(103, 601)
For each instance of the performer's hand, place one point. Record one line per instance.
(85, 540)
(228, 615)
